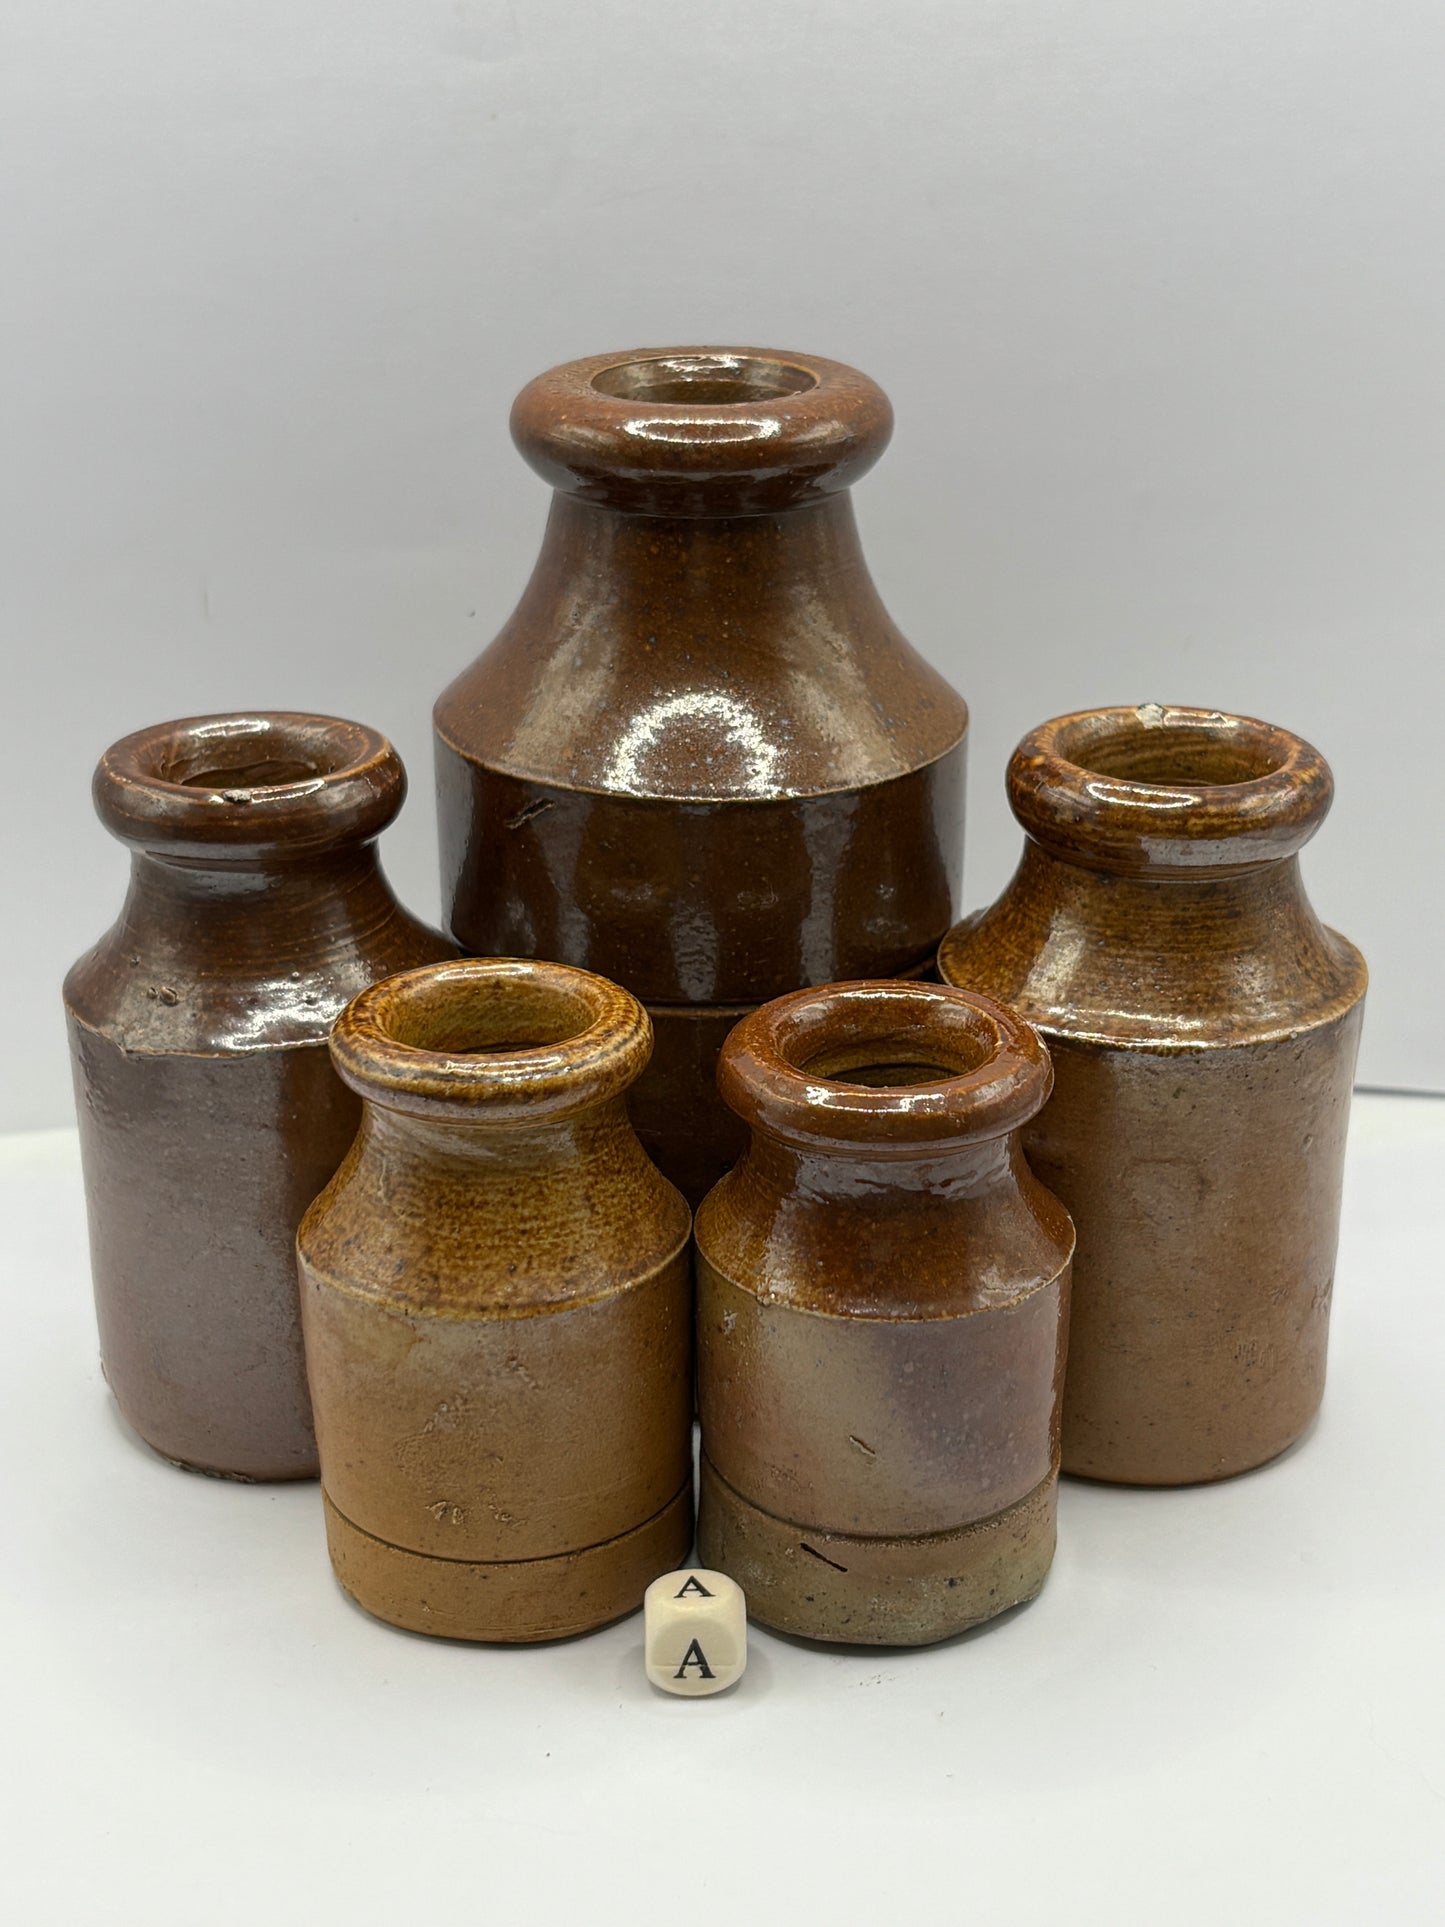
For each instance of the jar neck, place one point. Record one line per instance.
(161, 884)
(413, 1145)
(753, 580)
(205, 921)
(966, 1174)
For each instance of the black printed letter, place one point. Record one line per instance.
(694, 1585)
(694, 1656)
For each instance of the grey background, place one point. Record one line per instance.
(1157, 290)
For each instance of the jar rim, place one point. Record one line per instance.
(1166, 791)
(492, 1041)
(996, 1072)
(702, 431)
(249, 783)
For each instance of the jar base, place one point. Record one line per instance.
(1181, 1462)
(514, 1601)
(877, 1592)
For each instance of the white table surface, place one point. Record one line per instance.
(1228, 1705)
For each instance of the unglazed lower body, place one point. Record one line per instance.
(510, 1477)
(1205, 1187)
(509, 1601)
(197, 1171)
(887, 1481)
(877, 1591)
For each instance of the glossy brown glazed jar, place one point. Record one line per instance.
(882, 1317)
(700, 758)
(497, 1310)
(1203, 1027)
(209, 1112)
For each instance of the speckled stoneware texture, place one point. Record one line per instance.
(209, 1112)
(700, 758)
(497, 1308)
(1203, 1026)
(883, 1294)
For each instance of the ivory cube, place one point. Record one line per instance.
(695, 1627)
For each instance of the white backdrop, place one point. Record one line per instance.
(1157, 288)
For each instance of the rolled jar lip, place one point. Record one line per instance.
(501, 1085)
(768, 1072)
(621, 431)
(255, 782)
(1070, 785)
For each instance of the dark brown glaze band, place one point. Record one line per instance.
(882, 1317)
(1203, 1026)
(700, 758)
(496, 1303)
(209, 1112)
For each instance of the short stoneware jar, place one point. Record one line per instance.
(497, 1309)
(700, 758)
(209, 1112)
(882, 1317)
(1203, 1026)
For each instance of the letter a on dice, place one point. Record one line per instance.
(696, 1631)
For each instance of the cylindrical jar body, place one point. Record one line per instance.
(700, 758)
(209, 1112)
(497, 1310)
(1203, 1027)
(882, 1318)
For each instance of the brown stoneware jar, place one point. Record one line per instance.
(1203, 1027)
(497, 1309)
(700, 758)
(209, 1112)
(882, 1316)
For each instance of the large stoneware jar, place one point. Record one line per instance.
(1203, 1026)
(497, 1308)
(209, 1112)
(882, 1317)
(700, 758)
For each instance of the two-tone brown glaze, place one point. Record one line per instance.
(700, 758)
(1203, 1026)
(882, 1317)
(209, 1113)
(497, 1309)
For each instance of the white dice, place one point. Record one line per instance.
(695, 1625)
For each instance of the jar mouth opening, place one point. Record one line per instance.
(270, 781)
(492, 1041)
(886, 1068)
(464, 1015)
(1216, 755)
(704, 380)
(245, 754)
(895, 1059)
(1167, 791)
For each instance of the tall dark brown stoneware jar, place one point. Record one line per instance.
(700, 759)
(1203, 1026)
(210, 1115)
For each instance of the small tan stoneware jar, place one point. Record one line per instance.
(882, 1317)
(1203, 1026)
(496, 1302)
(210, 1115)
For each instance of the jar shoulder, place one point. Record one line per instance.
(233, 983)
(494, 1236)
(729, 660)
(1097, 960)
(892, 1256)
